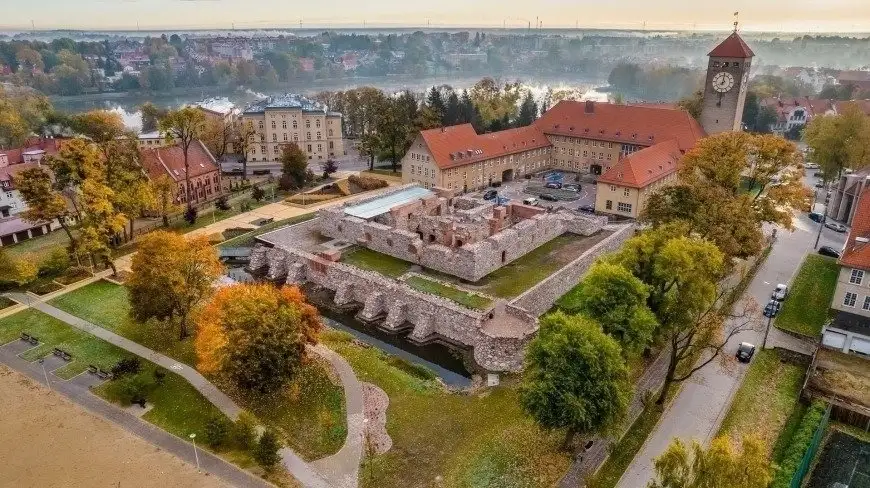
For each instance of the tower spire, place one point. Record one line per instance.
(736, 21)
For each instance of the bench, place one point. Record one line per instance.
(29, 338)
(92, 369)
(103, 374)
(62, 354)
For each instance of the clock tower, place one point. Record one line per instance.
(726, 85)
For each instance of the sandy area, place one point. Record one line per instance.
(46, 441)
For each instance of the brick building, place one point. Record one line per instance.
(205, 175)
(625, 187)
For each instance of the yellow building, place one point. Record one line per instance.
(291, 118)
(624, 188)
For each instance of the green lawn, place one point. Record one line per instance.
(384, 264)
(464, 298)
(807, 308)
(5, 302)
(40, 247)
(247, 239)
(623, 452)
(480, 440)
(766, 400)
(311, 415)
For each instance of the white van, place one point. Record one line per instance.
(530, 201)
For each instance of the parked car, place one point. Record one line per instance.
(829, 251)
(553, 184)
(780, 293)
(772, 308)
(548, 197)
(489, 194)
(586, 208)
(530, 201)
(811, 166)
(745, 351)
(571, 187)
(820, 184)
(835, 226)
(816, 217)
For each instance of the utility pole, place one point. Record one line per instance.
(767, 331)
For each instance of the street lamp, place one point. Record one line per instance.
(195, 454)
(42, 363)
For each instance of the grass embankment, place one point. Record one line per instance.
(477, 440)
(767, 403)
(310, 414)
(462, 297)
(384, 264)
(807, 307)
(247, 239)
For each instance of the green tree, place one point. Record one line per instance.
(693, 104)
(719, 466)
(216, 432)
(294, 165)
(151, 116)
(244, 431)
(44, 201)
(183, 127)
(528, 111)
(840, 141)
(266, 451)
(575, 378)
(435, 102)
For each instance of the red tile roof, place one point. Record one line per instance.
(645, 166)
(8, 173)
(863, 105)
(459, 145)
(783, 106)
(169, 160)
(856, 253)
(50, 146)
(628, 124)
(846, 76)
(732, 47)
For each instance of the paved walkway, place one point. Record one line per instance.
(77, 391)
(339, 470)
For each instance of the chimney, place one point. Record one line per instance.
(590, 107)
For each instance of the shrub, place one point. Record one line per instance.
(134, 389)
(159, 376)
(216, 431)
(55, 264)
(244, 431)
(245, 205)
(190, 215)
(221, 203)
(798, 445)
(74, 274)
(266, 450)
(365, 183)
(126, 366)
(257, 193)
(329, 167)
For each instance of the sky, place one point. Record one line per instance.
(755, 15)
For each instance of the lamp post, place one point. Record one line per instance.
(44, 372)
(766, 332)
(195, 453)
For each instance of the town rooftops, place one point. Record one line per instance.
(217, 105)
(846, 76)
(382, 205)
(732, 47)
(645, 166)
(287, 101)
(628, 124)
(33, 147)
(169, 161)
(857, 251)
(863, 105)
(784, 105)
(458, 145)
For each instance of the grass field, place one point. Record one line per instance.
(479, 440)
(40, 247)
(765, 404)
(384, 264)
(461, 297)
(247, 239)
(311, 414)
(806, 309)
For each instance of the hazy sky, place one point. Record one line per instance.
(755, 15)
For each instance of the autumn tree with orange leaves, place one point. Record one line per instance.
(255, 335)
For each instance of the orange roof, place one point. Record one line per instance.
(459, 145)
(645, 166)
(628, 124)
(856, 253)
(783, 106)
(732, 47)
(169, 161)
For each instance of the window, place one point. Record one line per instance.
(260, 124)
(608, 204)
(273, 124)
(319, 147)
(308, 135)
(318, 135)
(283, 124)
(625, 192)
(309, 148)
(849, 299)
(296, 137)
(585, 154)
(330, 132)
(263, 149)
(274, 137)
(318, 123)
(857, 277)
(866, 303)
(330, 145)
(626, 208)
(612, 187)
(307, 124)
(285, 136)
(294, 124)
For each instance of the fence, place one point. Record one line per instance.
(807, 460)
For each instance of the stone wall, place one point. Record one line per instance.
(539, 298)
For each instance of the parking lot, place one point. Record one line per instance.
(520, 189)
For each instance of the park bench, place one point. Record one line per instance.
(62, 354)
(29, 338)
(92, 369)
(104, 375)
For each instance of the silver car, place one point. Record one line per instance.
(836, 227)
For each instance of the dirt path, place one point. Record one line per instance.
(50, 442)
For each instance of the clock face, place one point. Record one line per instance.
(723, 81)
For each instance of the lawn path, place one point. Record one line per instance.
(337, 471)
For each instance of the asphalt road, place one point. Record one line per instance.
(698, 409)
(350, 162)
(516, 191)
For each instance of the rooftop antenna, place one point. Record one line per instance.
(736, 21)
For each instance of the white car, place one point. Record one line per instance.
(811, 166)
(834, 226)
(780, 293)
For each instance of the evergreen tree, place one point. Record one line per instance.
(528, 111)
(453, 110)
(266, 450)
(435, 101)
(468, 113)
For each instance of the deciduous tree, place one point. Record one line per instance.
(17, 270)
(294, 165)
(163, 190)
(44, 202)
(255, 335)
(839, 141)
(719, 466)
(171, 276)
(575, 378)
(184, 126)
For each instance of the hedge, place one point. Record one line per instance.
(799, 444)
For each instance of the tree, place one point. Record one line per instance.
(528, 111)
(184, 127)
(435, 102)
(294, 165)
(216, 135)
(17, 270)
(44, 202)
(719, 466)
(216, 431)
(163, 190)
(369, 145)
(693, 104)
(100, 222)
(495, 102)
(840, 141)
(242, 138)
(151, 116)
(266, 450)
(683, 275)
(171, 276)
(575, 378)
(329, 167)
(255, 335)
(257, 193)
(611, 296)
(452, 111)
